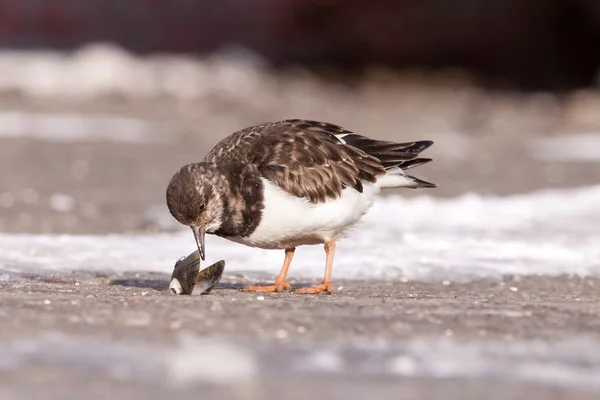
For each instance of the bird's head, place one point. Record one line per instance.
(194, 201)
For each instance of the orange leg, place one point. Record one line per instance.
(280, 283)
(326, 285)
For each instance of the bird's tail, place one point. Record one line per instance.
(395, 158)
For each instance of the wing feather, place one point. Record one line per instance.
(314, 160)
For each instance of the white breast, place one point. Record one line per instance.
(289, 221)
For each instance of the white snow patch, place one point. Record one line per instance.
(104, 69)
(549, 232)
(209, 360)
(65, 127)
(566, 363)
(189, 360)
(577, 147)
(321, 360)
(192, 360)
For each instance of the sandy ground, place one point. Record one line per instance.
(49, 186)
(130, 310)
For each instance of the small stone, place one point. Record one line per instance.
(260, 298)
(47, 302)
(446, 282)
(513, 289)
(301, 329)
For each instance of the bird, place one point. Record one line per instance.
(295, 182)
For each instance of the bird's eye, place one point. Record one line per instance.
(201, 207)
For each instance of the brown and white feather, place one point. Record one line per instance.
(314, 160)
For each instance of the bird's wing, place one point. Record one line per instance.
(314, 160)
(307, 159)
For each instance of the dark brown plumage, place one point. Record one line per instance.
(256, 187)
(306, 158)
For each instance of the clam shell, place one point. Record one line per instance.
(209, 277)
(186, 275)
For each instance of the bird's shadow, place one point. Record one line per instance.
(156, 284)
(163, 284)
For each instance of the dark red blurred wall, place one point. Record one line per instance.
(535, 43)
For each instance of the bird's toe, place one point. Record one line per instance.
(323, 287)
(278, 287)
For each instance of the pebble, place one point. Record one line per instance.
(260, 298)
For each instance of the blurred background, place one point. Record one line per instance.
(101, 102)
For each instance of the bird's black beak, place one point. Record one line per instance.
(199, 236)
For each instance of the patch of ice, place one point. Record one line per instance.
(188, 361)
(577, 147)
(548, 232)
(566, 363)
(321, 360)
(104, 69)
(209, 360)
(195, 360)
(66, 127)
(4, 278)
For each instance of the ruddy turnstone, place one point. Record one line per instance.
(284, 184)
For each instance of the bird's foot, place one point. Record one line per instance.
(278, 287)
(323, 287)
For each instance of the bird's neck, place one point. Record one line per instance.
(242, 202)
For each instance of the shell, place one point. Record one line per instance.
(187, 275)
